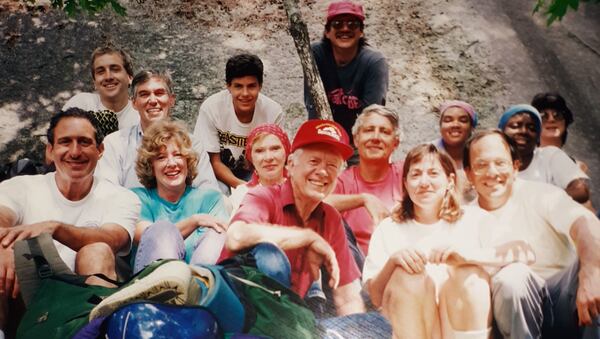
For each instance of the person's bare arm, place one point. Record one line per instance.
(498, 256)
(579, 190)
(71, 236)
(222, 172)
(241, 235)
(7, 217)
(344, 202)
(347, 299)
(585, 232)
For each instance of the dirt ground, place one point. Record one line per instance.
(492, 54)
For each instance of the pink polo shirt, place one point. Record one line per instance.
(388, 190)
(275, 205)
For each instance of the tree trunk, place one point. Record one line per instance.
(299, 33)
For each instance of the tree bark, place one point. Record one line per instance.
(299, 33)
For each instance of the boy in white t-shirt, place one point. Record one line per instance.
(226, 118)
(112, 73)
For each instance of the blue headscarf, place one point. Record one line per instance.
(512, 110)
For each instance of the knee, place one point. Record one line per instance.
(514, 282)
(270, 257)
(472, 282)
(98, 254)
(160, 232)
(404, 285)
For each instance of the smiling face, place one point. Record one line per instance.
(74, 150)
(268, 158)
(426, 183)
(244, 93)
(313, 171)
(170, 169)
(521, 129)
(553, 126)
(110, 77)
(492, 170)
(376, 138)
(455, 126)
(153, 101)
(346, 34)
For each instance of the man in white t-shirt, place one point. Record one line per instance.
(154, 99)
(523, 124)
(91, 220)
(112, 72)
(559, 295)
(226, 118)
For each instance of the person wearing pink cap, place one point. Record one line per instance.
(267, 149)
(292, 218)
(354, 74)
(458, 120)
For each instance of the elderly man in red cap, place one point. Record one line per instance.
(292, 218)
(354, 74)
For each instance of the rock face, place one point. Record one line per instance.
(492, 54)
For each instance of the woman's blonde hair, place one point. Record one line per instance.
(450, 210)
(157, 137)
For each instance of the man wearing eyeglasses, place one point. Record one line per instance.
(354, 74)
(558, 296)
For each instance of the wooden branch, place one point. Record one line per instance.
(299, 33)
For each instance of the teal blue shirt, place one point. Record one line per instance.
(193, 201)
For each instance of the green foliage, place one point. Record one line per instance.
(557, 9)
(72, 7)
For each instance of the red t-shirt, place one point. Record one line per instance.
(275, 205)
(388, 190)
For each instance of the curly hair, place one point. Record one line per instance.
(155, 140)
(450, 210)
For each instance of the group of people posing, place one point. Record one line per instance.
(477, 232)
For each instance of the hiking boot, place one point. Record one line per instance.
(169, 284)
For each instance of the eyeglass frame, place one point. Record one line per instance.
(482, 167)
(352, 24)
(556, 115)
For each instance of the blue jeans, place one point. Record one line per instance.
(272, 262)
(163, 240)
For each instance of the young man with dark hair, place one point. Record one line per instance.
(90, 219)
(354, 74)
(112, 73)
(154, 99)
(226, 118)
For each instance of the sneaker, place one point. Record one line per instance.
(169, 284)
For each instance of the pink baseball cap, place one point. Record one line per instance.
(345, 7)
(323, 131)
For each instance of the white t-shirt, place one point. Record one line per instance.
(542, 215)
(470, 231)
(219, 129)
(127, 117)
(552, 165)
(36, 198)
(117, 164)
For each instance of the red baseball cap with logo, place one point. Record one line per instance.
(323, 131)
(345, 7)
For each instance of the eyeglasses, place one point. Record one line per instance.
(482, 167)
(351, 24)
(556, 115)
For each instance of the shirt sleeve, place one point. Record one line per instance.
(378, 254)
(206, 176)
(145, 203)
(560, 210)
(206, 131)
(564, 169)
(255, 208)
(123, 209)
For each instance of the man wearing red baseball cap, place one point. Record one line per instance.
(292, 218)
(354, 74)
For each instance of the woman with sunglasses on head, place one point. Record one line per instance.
(177, 221)
(424, 267)
(267, 149)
